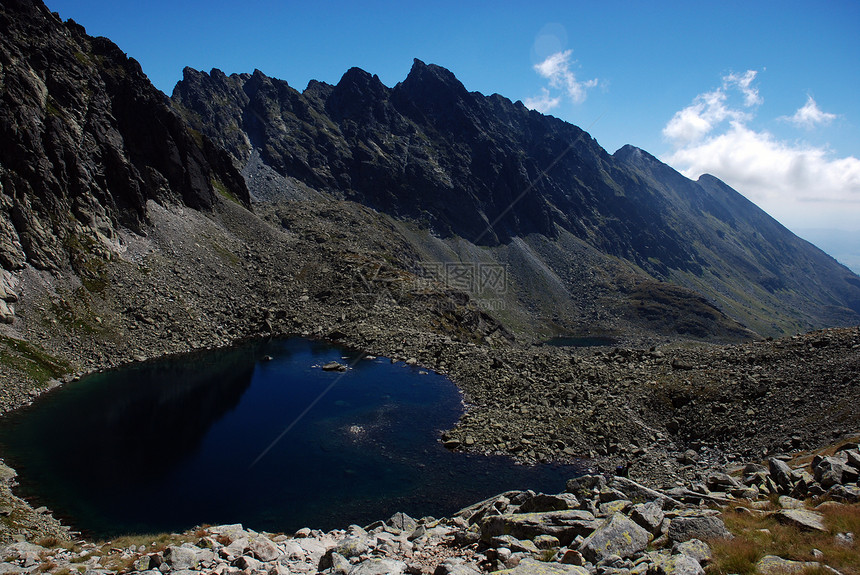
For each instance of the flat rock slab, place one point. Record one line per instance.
(618, 535)
(708, 527)
(379, 567)
(773, 565)
(564, 525)
(530, 566)
(802, 518)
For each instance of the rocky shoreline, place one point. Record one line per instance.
(598, 526)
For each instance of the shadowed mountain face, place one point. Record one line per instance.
(486, 171)
(85, 141)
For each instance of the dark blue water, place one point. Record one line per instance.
(192, 440)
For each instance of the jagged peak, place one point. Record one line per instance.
(425, 75)
(358, 77)
(630, 153)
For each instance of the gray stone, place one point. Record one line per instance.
(721, 482)
(845, 493)
(773, 565)
(333, 366)
(703, 527)
(676, 565)
(245, 562)
(333, 562)
(20, 550)
(181, 557)
(648, 516)
(695, 548)
(230, 532)
(547, 542)
(584, 485)
(264, 549)
(376, 566)
(352, 547)
(514, 544)
(853, 458)
(780, 473)
(787, 502)
(564, 525)
(832, 471)
(637, 492)
(542, 502)
(529, 566)
(618, 535)
(801, 518)
(455, 568)
(402, 522)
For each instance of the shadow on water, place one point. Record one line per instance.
(168, 445)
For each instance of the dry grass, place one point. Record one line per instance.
(757, 535)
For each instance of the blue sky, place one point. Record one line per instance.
(760, 94)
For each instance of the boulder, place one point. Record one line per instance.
(351, 547)
(676, 565)
(529, 566)
(455, 568)
(402, 522)
(376, 566)
(697, 527)
(180, 557)
(780, 473)
(832, 471)
(637, 492)
(584, 485)
(263, 548)
(514, 544)
(564, 525)
(333, 366)
(649, 516)
(721, 482)
(542, 502)
(773, 565)
(695, 548)
(844, 493)
(801, 518)
(618, 535)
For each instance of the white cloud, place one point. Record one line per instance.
(543, 103)
(799, 184)
(810, 116)
(744, 83)
(710, 109)
(556, 68)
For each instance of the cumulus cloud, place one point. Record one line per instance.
(799, 184)
(710, 109)
(810, 116)
(543, 103)
(556, 69)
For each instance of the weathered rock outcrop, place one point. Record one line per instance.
(85, 141)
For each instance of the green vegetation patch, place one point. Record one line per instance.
(223, 191)
(30, 360)
(759, 535)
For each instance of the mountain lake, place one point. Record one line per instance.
(256, 434)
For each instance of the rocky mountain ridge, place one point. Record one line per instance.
(488, 173)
